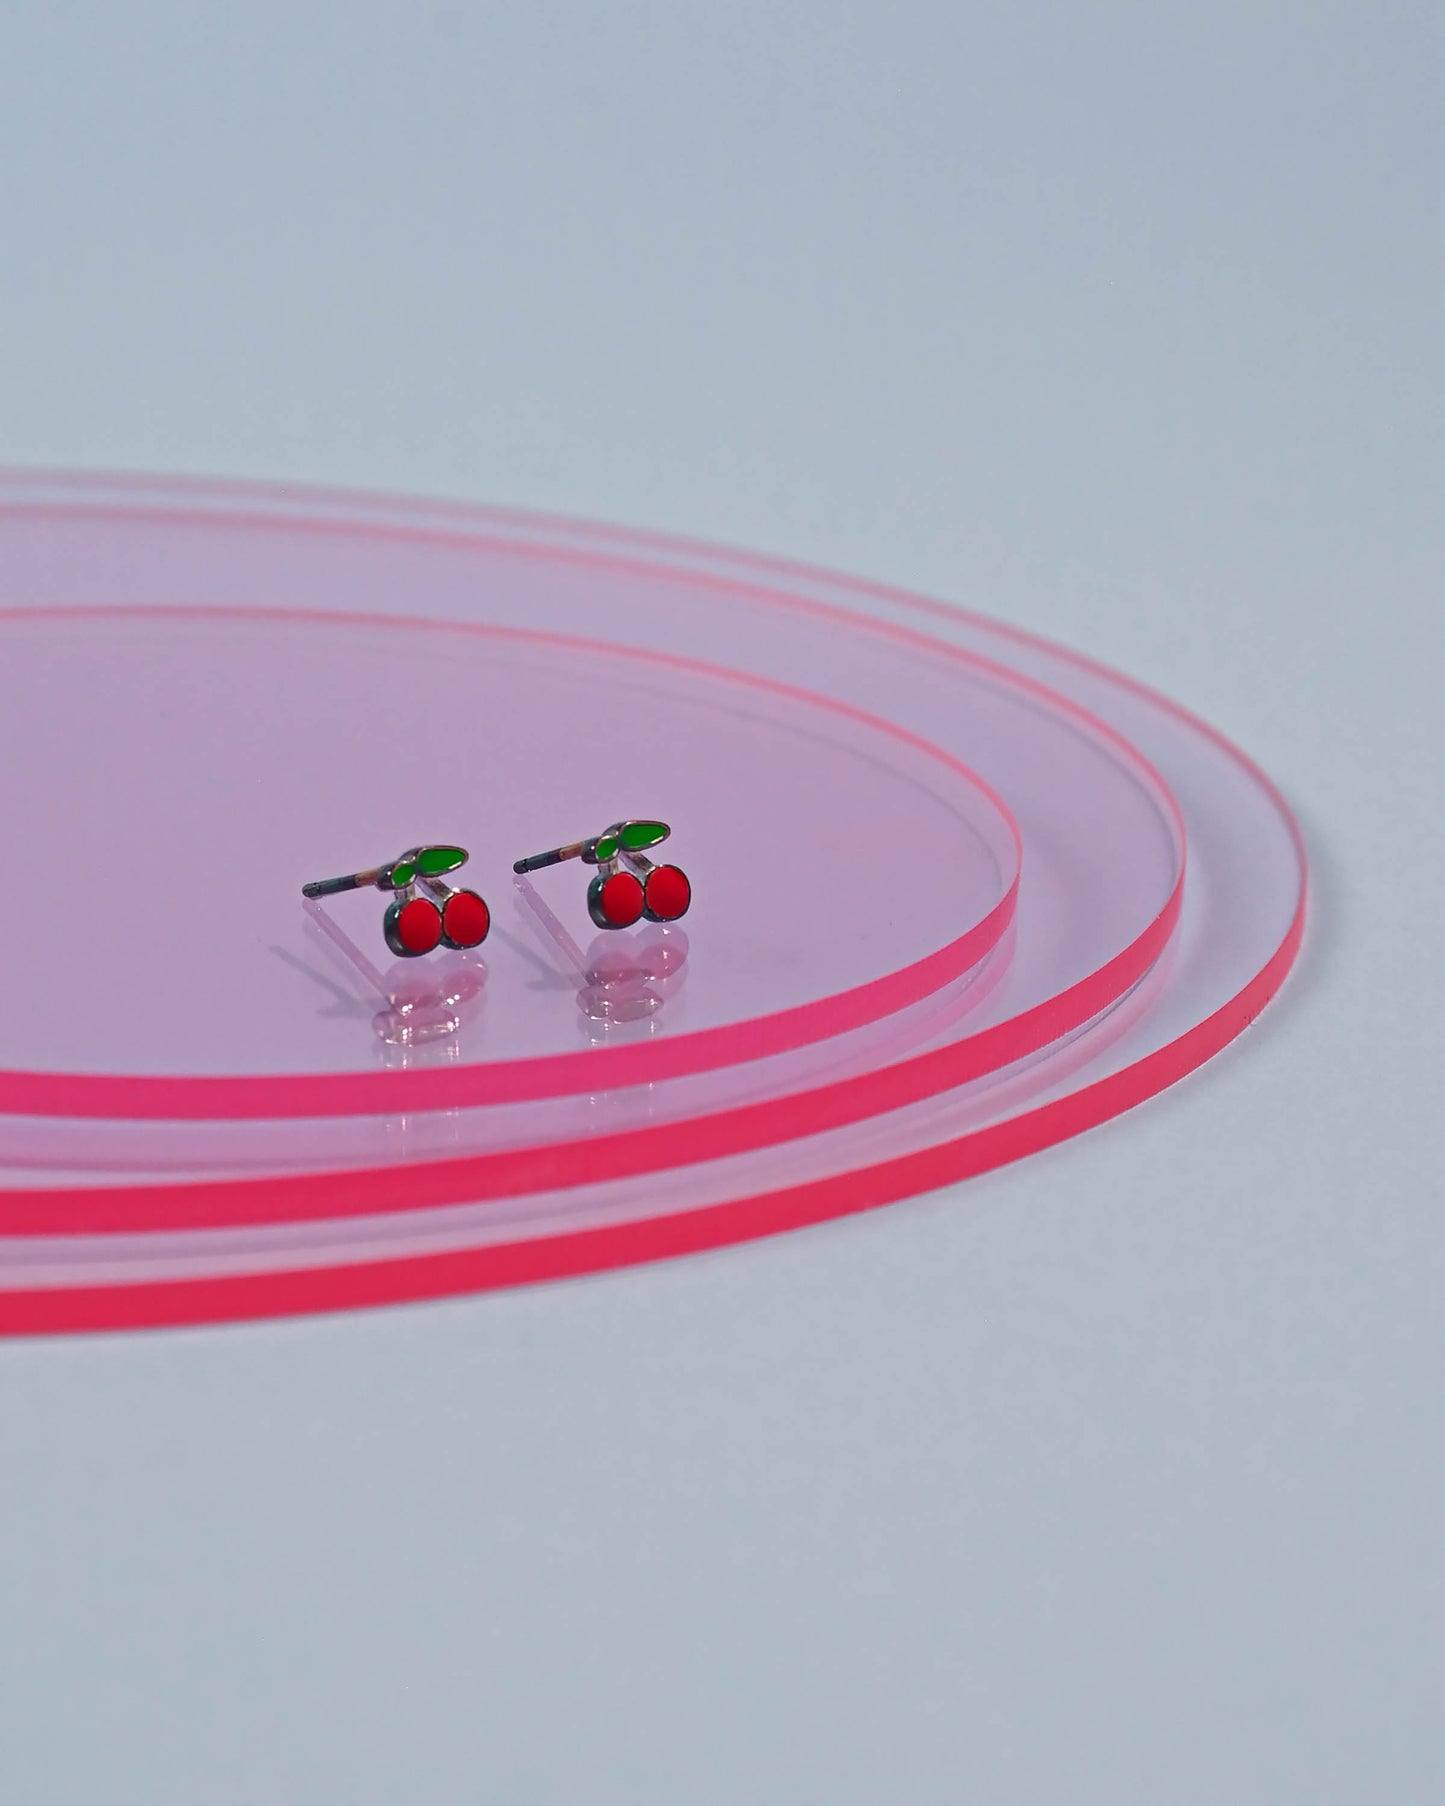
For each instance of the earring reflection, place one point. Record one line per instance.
(420, 1006)
(621, 986)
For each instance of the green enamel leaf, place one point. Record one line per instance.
(606, 847)
(639, 834)
(402, 873)
(436, 860)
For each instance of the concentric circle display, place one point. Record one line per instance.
(951, 895)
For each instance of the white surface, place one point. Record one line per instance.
(1114, 1476)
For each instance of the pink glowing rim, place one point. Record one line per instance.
(181, 1096)
(352, 1285)
(358, 1285)
(352, 1192)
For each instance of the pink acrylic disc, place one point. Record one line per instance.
(199, 765)
(932, 1079)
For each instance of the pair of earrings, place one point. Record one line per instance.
(426, 912)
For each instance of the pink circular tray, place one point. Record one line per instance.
(1100, 896)
(194, 767)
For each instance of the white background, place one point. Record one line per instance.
(1115, 1476)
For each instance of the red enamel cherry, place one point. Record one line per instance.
(667, 894)
(413, 928)
(615, 902)
(465, 919)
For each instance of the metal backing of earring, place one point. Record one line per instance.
(414, 924)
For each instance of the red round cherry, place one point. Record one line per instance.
(668, 893)
(418, 925)
(465, 919)
(621, 899)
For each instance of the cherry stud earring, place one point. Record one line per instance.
(627, 884)
(415, 923)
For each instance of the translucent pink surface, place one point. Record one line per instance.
(194, 769)
(1096, 904)
(1105, 849)
(862, 878)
